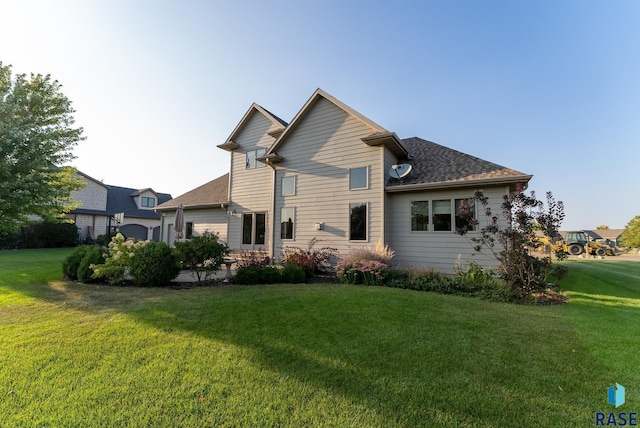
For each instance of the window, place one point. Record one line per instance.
(254, 226)
(286, 223)
(288, 186)
(358, 222)
(148, 202)
(420, 215)
(442, 215)
(465, 214)
(358, 178)
(188, 230)
(252, 158)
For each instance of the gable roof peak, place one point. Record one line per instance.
(255, 108)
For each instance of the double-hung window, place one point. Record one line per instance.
(148, 202)
(420, 216)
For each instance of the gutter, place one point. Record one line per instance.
(457, 184)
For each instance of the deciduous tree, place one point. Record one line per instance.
(36, 139)
(631, 235)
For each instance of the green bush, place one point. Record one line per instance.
(72, 262)
(270, 275)
(49, 234)
(203, 254)
(92, 257)
(154, 264)
(247, 275)
(101, 240)
(293, 274)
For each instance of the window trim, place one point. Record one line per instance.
(148, 199)
(254, 227)
(293, 178)
(428, 202)
(256, 154)
(366, 221)
(293, 223)
(366, 177)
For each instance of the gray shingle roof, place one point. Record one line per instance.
(215, 192)
(436, 165)
(120, 199)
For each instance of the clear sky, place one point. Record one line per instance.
(549, 88)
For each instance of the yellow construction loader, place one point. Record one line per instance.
(574, 243)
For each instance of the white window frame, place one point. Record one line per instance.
(293, 223)
(293, 185)
(366, 178)
(254, 155)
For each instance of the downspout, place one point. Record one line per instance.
(272, 243)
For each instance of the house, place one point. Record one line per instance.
(205, 211)
(336, 175)
(103, 205)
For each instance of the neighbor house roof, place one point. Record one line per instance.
(120, 199)
(213, 193)
(436, 166)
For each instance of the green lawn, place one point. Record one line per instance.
(313, 355)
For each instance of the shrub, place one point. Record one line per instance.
(380, 253)
(367, 272)
(247, 275)
(203, 254)
(71, 263)
(270, 275)
(293, 274)
(49, 234)
(101, 240)
(117, 258)
(423, 279)
(253, 258)
(92, 257)
(310, 259)
(154, 264)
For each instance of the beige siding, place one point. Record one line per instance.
(206, 220)
(319, 152)
(93, 196)
(251, 189)
(438, 250)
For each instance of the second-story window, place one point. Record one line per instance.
(148, 202)
(252, 158)
(358, 178)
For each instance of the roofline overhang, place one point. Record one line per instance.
(276, 132)
(389, 140)
(229, 145)
(458, 184)
(270, 159)
(222, 205)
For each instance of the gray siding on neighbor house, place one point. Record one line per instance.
(251, 189)
(439, 250)
(320, 151)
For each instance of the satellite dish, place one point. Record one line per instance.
(400, 171)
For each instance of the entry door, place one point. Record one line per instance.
(254, 230)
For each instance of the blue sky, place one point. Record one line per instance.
(550, 88)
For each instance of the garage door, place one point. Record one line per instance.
(134, 231)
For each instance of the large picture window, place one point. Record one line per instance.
(420, 216)
(358, 222)
(358, 178)
(287, 216)
(254, 227)
(442, 215)
(252, 158)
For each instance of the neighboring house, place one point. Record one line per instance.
(205, 211)
(101, 203)
(330, 175)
